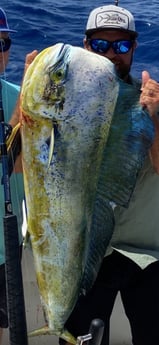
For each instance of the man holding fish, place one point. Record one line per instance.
(131, 263)
(69, 219)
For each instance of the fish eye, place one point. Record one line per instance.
(59, 73)
(56, 75)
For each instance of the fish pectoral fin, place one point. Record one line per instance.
(64, 334)
(51, 151)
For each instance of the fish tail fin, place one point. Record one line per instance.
(45, 330)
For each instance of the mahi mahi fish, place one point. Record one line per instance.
(69, 100)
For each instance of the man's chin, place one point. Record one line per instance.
(122, 74)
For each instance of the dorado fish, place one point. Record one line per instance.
(68, 98)
(70, 132)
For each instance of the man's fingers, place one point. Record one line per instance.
(145, 78)
(30, 57)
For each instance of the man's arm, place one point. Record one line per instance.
(150, 99)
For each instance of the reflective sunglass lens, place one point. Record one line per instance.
(122, 47)
(99, 46)
(5, 44)
(102, 46)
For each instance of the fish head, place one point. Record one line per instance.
(61, 75)
(43, 84)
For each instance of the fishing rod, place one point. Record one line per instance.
(13, 272)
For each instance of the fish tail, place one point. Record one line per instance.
(45, 330)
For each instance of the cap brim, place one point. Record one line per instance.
(7, 30)
(91, 31)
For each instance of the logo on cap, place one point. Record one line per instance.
(112, 19)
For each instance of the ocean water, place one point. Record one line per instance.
(41, 23)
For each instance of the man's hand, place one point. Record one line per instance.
(150, 100)
(150, 94)
(29, 59)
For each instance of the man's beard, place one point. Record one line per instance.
(122, 70)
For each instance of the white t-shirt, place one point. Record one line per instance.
(136, 232)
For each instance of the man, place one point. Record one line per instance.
(8, 97)
(131, 264)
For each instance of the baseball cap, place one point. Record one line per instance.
(3, 22)
(111, 17)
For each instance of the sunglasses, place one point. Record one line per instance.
(5, 44)
(102, 46)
